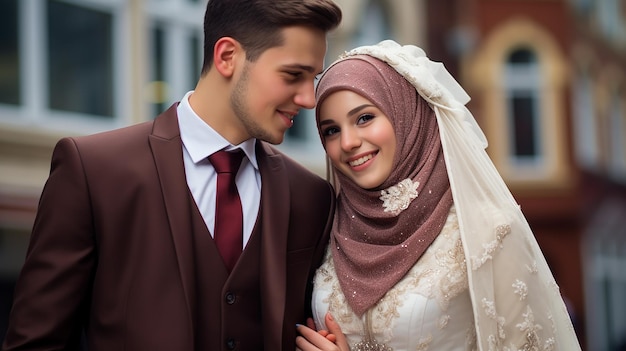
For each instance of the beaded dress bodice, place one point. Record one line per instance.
(429, 309)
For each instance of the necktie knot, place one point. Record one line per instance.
(226, 162)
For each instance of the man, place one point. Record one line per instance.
(123, 252)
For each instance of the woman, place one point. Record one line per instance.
(429, 250)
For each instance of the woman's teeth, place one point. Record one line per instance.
(361, 160)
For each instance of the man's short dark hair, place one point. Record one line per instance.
(257, 24)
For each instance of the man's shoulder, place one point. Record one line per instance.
(165, 125)
(115, 136)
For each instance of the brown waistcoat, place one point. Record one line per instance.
(229, 306)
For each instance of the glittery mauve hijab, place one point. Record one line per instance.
(374, 244)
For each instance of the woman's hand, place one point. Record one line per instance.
(327, 340)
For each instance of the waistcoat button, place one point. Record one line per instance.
(230, 298)
(230, 343)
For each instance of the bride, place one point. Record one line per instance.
(429, 250)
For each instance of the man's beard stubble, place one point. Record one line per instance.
(240, 108)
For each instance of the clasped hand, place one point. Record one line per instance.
(311, 339)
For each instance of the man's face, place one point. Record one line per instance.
(269, 92)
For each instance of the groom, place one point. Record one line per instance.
(122, 253)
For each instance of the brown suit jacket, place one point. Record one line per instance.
(111, 253)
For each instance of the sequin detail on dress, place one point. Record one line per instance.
(370, 345)
(398, 197)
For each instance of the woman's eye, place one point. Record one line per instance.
(365, 118)
(330, 131)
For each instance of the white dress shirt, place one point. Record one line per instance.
(200, 141)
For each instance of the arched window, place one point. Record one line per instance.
(523, 85)
(522, 82)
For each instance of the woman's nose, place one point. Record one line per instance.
(349, 139)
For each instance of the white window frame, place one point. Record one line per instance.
(180, 21)
(33, 112)
(604, 269)
(617, 132)
(585, 127)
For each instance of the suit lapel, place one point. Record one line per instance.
(275, 219)
(167, 152)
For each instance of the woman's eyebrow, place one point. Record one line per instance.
(359, 108)
(350, 113)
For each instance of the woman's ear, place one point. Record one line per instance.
(225, 54)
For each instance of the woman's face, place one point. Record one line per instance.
(359, 139)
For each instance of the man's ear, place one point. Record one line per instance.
(226, 53)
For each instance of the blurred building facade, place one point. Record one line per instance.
(548, 85)
(547, 80)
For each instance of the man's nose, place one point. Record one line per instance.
(305, 96)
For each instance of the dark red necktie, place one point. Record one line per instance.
(228, 231)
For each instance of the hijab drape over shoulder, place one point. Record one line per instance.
(515, 299)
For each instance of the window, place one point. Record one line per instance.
(609, 18)
(605, 284)
(523, 123)
(158, 87)
(616, 134)
(80, 60)
(175, 50)
(63, 65)
(9, 55)
(374, 25)
(522, 83)
(585, 129)
(196, 47)
(583, 6)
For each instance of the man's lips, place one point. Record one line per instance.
(288, 115)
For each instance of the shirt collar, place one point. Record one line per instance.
(201, 140)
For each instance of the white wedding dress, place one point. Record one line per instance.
(429, 309)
